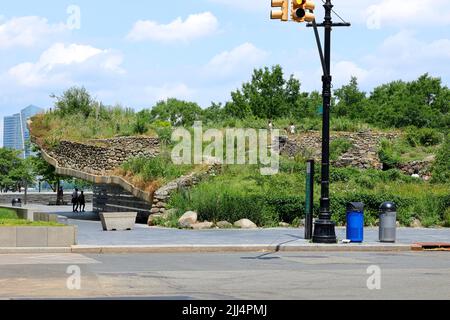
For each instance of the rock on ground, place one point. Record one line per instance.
(416, 224)
(202, 225)
(284, 225)
(224, 225)
(152, 218)
(188, 219)
(245, 224)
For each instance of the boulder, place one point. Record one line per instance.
(188, 219)
(169, 213)
(224, 225)
(416, 224)
(245, 224)
(152, 218)
(284, 225)
(202, 225)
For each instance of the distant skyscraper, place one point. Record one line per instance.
(15, 130)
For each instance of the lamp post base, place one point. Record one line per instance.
(324, 232)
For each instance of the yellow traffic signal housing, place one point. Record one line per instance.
(302, 10)
(282, 14)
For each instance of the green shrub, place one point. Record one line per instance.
(423, 137)
(447, 218)
(338, 147)
(216, 202)
(8, 214)
(441, 167)
(388, 156)
(151, 169)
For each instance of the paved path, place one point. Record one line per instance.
(91, 233)
(228, 276)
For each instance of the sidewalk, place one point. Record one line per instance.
(91, 239)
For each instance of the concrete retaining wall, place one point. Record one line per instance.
(40, 198)
(22, 213)
(34, 237)
(113, 198)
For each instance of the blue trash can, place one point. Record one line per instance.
(355, 222)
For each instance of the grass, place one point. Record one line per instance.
(8, 218)
(241, 192)
(150, 173)
(50, 128)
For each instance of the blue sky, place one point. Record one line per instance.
(140, 51)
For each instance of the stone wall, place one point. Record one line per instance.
(363, 154)
(43, 198)
(162, 195)
(100, 156)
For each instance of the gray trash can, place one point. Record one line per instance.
(388, 222)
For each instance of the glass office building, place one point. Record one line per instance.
(15, 130)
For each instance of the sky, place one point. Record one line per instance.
(138, 52)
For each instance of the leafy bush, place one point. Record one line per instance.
(388, 156)
(441, 167)
(75, 101)
(447, 218)
(6, 214)
(216, 202)
(151, 169)
(423, 137)
(338, 147)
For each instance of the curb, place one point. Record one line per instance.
(81, 249)
(34, 250)
(236, 248)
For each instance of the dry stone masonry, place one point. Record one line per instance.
(162, 196)
(100, 156)
(363, 154)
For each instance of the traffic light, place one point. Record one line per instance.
(282, 14)
(302, 10)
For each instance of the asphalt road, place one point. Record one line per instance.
(227, 276)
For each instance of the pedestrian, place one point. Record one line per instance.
(292, 128)
(75, 200)
(270, 125)
(82, 202)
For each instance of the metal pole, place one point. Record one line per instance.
(309, 207)
(324, 231)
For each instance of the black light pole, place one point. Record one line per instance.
(324, 231)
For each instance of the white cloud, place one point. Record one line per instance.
(27, 31)
(180, 91)
(241, 58)
(194, 27)
(54, 64)
(415, 12)
(400, 56)
(254, 5)
(344, 70)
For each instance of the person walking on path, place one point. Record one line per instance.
(75, 200)
(82, 202)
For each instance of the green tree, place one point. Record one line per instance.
(351, 101)
(14, 171)
(75, 100)
(267, 96)
(421, 103)
(441, 167)
(177, 112)
(214, 114)
(48, 173)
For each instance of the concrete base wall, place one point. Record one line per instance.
(111, 198)
(40, 198)
(34, 237)
(25, 214)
